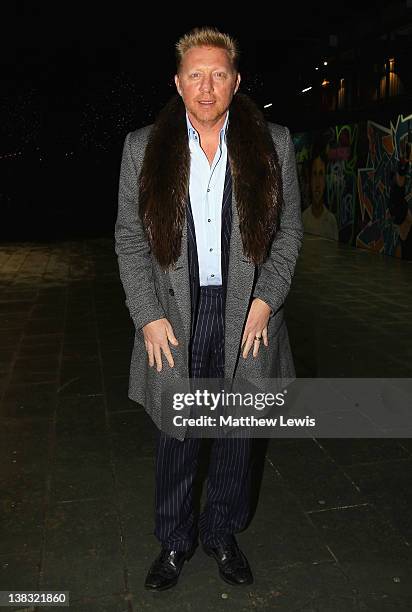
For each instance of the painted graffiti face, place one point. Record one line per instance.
(318, 181)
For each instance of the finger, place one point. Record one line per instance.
(150, 354)
(244, 337)
(256, 346)
(158, 357)
(265, 336)
(168, 355)
(170, 334)
(248, 345)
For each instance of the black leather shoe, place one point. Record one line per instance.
(232, 563)
(165, 569)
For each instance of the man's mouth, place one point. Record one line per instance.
(206, 102)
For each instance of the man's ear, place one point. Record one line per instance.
(177, 83)
(238, 79)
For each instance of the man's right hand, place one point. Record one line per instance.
(157, 335)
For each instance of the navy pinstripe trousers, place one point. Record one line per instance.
(228, 484)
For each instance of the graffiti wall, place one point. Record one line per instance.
(356, 184)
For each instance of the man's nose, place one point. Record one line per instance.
(207, 83)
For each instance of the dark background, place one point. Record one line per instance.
(77, 77)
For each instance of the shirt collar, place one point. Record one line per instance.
(193, 134)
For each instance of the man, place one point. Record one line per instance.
(207, 236)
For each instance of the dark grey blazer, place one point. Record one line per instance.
(152, 293)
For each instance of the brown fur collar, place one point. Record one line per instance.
(164, 180)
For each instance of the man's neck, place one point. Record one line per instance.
(317, 209)
(208, 132)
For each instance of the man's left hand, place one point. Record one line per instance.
(256, 327)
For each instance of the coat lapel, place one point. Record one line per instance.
(239, 288)
(180, 283)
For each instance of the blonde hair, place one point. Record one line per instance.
(207, 37)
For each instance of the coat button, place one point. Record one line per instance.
(171, 292)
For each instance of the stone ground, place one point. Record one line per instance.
(331, 529)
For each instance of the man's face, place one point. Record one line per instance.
(207, 83)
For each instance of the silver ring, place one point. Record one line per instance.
(258, 339)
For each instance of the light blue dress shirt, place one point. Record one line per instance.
(206, 187)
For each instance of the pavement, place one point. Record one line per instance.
(331, 527)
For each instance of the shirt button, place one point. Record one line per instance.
(208, 190)
(212, 275)
(210, 249)
(209, 220)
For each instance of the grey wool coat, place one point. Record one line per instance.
(151, 293)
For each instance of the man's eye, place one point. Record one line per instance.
(194, 75)
(220, 74)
